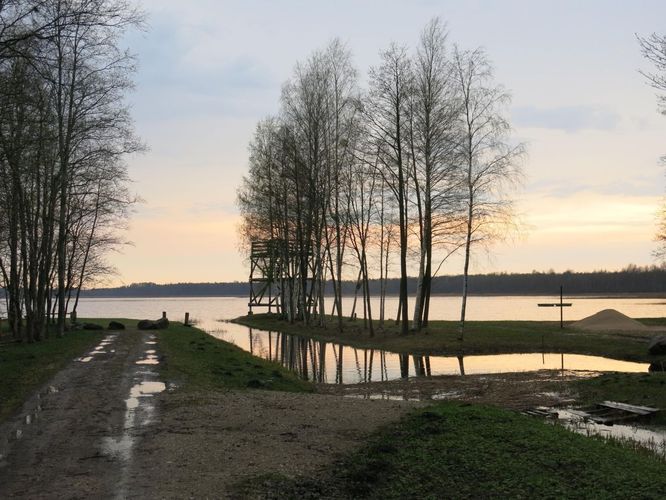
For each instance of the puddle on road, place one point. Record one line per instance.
(144, 389)
(138, 413)
(99, 349)
(150, 358)
(139, 409)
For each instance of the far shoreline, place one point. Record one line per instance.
(634, 295)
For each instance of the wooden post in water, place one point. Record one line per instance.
(187, 319)
(561, 310)
(559, 304)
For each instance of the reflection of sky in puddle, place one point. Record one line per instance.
(406, 395)
(144, 389)
(139, 412)
(333, 363)
(384, 396)
(653, 440)
(99, 349)
(149, 360)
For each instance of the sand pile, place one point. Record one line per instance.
(609, 319)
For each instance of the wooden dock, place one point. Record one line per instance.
(606, 413)
(611, 412)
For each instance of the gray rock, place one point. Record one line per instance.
(657, 346)
(657, 366)
(115, 325)
(91, 326)
(146, 324)
(149, 324)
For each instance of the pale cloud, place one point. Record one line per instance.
(210, 69)
(568, 118)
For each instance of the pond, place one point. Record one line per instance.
(332, 363)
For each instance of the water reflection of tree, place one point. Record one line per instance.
(307, 358)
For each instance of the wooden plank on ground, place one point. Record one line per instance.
(638, 410)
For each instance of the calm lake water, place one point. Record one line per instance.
(209, 309)
(333, 363)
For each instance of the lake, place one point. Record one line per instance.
(333, 363)
(208, 310)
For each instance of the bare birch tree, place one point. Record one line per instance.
(63, 134)
(489, 161)
(432, 142)
(387, 112)
(653, 48)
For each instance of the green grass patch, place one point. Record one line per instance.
(462, 451)
(481, 337)
(197, 361)
(645, 389)
(24, 367)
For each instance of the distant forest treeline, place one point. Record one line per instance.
(632, 280)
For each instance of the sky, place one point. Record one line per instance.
(209, 70)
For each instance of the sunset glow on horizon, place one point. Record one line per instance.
(209, 71)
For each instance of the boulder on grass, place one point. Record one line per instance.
(149, 324)
(115, 325)
(657, 366)
(146, 324)
(657, 346)
(91, 326)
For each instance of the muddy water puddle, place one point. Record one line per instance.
(139, 406)
(139, 413)
(101, 348)
(635, 436)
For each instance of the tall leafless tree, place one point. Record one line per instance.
(434, 108)
(387, 111)
(490, 162)
(653, 48)
(63, 137)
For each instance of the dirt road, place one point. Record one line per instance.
(105, 428)
(73, 438)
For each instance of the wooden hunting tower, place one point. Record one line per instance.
(267, 272)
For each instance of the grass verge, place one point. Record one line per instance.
(24, 367)
(481, 337)
(462, 451)
(195, 360)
